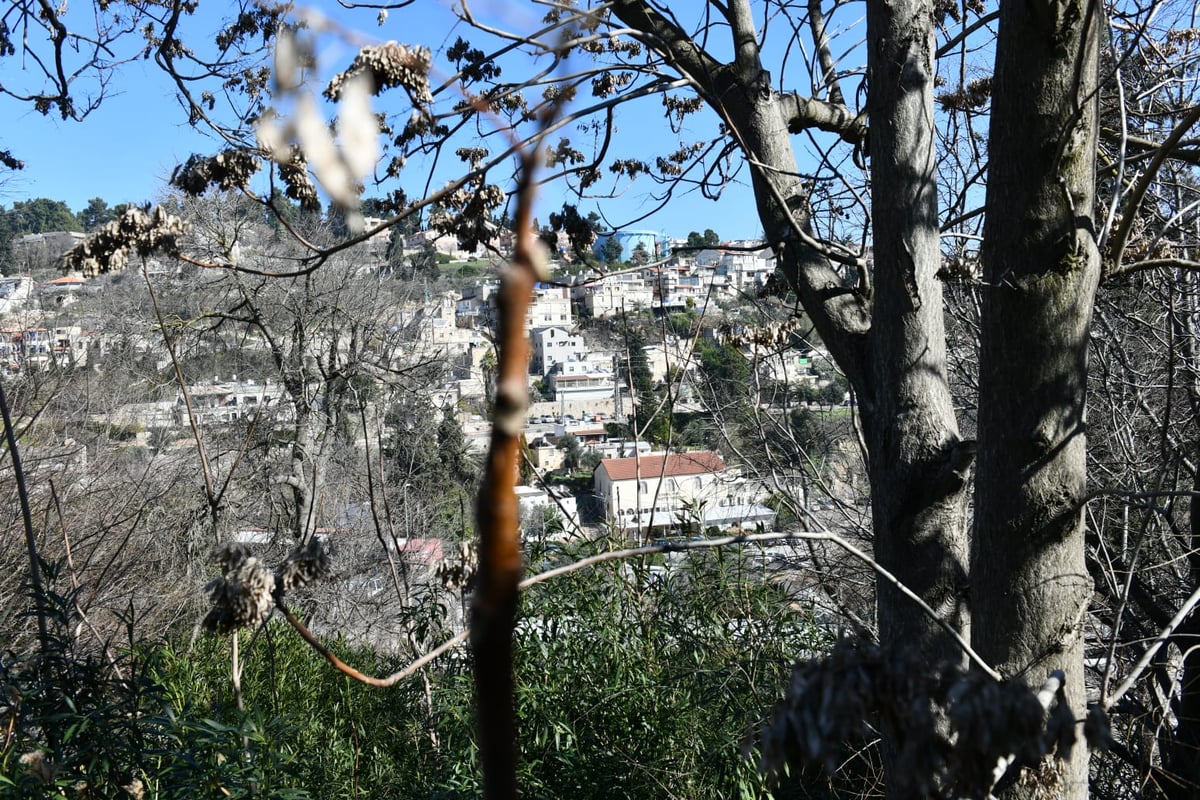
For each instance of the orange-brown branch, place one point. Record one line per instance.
(495, 605)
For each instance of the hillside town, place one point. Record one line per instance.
(640, 353)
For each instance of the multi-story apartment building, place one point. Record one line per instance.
(549, 306)
(745, 271)
(581, 382)
(225, 401)
(472, 308)
(434, 324)
(551, 346)
(677, 490)
(42, 348)
(607, 298)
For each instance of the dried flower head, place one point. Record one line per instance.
(955, 731)
(229, 169)
(458, 573)
(306, 564)
(244, 594)
(579, 231)
(247, 589)
(389, 64)
(297, 185)
(467, 211)
(39, 767)
(108, 248)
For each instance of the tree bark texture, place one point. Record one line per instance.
(1029, 583)
(918, 464)
(890, 345)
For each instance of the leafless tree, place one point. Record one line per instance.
(991, 181)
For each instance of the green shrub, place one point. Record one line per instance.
(631, 682)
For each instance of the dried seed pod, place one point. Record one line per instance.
(244, 595)
(389, 64)
(955, 731)
(229, 169)
(143, 232)
(305, 565)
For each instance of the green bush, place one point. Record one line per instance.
(79, 726)
(631, 682)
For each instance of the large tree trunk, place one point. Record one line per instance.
(1029, 584)
(889, 342)
(918, 464)
(890, 345)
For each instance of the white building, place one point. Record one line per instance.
(620, 448)
(790, 366)
(444, 243)
(14, 292)
(41, 348)
(664, 490)
(551, 305)
(608, 297)
(433, 324)
(471, 310)
(745, 271)
(669, 357)
(227, 401)
(581, 382)
(551, 346)
(738, 270)
(537, 503)
(62, 291)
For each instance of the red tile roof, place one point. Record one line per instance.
(626, 469)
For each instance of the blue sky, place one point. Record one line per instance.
(125, 150)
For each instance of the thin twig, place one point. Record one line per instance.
(1163, 637)
(1129, 215)
(346, 669)
(35, 570)
(84, 619)
(210, 494)
(635, 552)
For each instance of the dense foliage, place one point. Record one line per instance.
(630, 684)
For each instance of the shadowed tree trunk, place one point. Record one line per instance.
(918, 464)
(890, 345)
(1029, 585)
